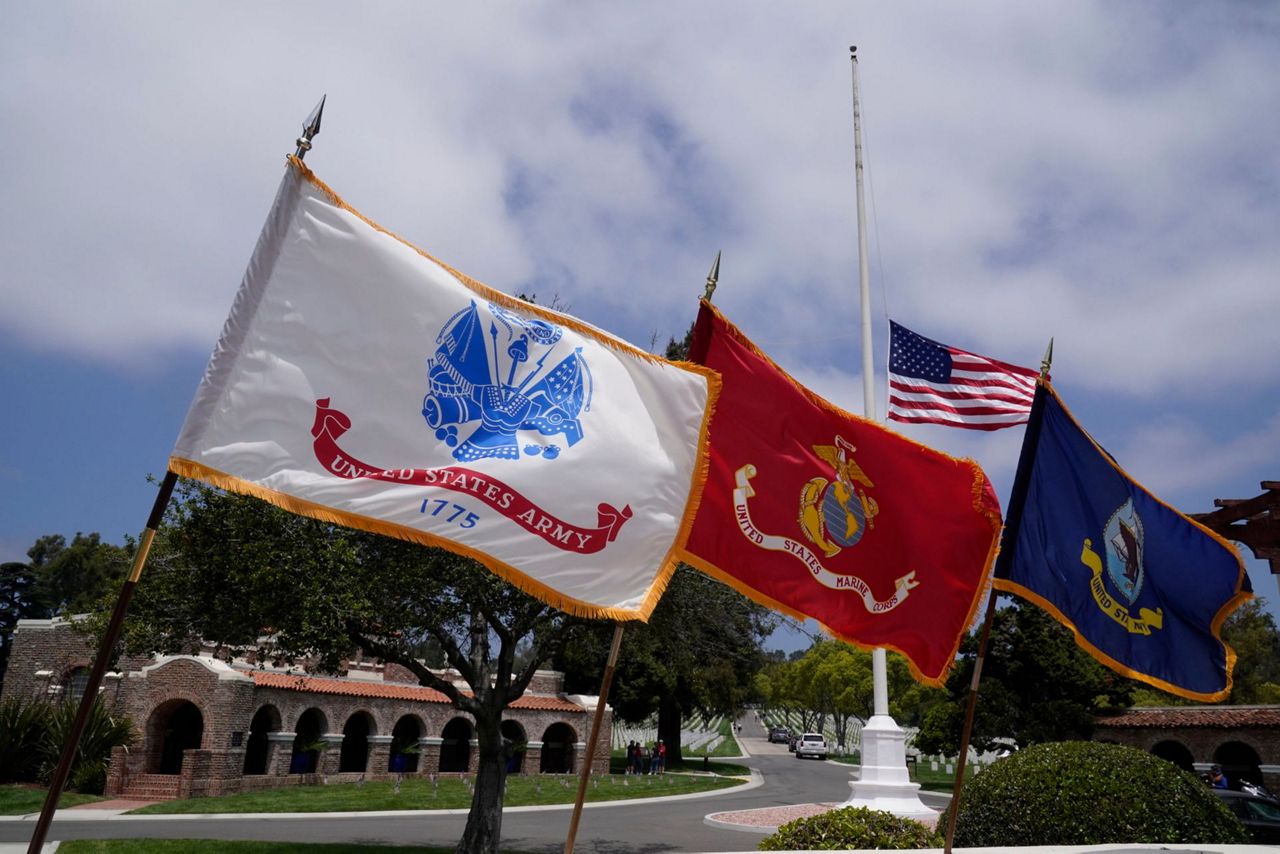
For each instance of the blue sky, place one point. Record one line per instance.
(1105, 174)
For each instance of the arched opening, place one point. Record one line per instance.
(1239, 762)
(265, 720)
(173, 727)
(306, 742)
(1175, 752)
(557, 750)
(404, 745)
(355, 743)
(514, 745)
(455, 745)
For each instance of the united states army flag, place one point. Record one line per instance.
(361, 381)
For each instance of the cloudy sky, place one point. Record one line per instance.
(1104, 174)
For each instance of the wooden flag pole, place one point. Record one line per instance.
(585, 774)
(105, 648)
(1008, 540)
(310, 129)
(967, 732)
(712, 278)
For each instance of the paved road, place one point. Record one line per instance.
(620, 827)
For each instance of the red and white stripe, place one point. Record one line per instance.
(983, 394)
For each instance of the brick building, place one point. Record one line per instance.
(1244, 740)
(206, 727)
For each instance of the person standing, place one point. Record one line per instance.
(1217, 779)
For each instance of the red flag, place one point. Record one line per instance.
(824, 515)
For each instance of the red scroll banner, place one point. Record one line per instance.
(330, 424)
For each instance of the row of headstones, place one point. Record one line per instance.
(853, 732)
(947, 764)
(647, 734)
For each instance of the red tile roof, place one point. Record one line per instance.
(1218, 717)
(392, 691)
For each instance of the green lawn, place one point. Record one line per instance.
(215, 846)
(20, 800)
(451, 793)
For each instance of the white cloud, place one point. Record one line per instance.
(1103, 174)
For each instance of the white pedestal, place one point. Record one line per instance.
(885, 784)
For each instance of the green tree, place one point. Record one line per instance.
(1037, 686)
(699, 651)
(841, 683)
(246, 575)
(71, 578)
(58, 579)
(17, 602)
(1251, 632)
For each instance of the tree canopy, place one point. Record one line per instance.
(699, 651)
(834, 680)
(58, 579)
(236, 572)
(1037, 686)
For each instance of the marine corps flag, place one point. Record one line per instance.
(1144, 589)
(360, 381)
(825, 515)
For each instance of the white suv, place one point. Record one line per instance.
(811, 744)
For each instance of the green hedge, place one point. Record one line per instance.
(851, 828)
(1088, 793)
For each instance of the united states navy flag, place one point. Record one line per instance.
(1144, 589)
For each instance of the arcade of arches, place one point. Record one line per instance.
(207, 728)
(1243, 740)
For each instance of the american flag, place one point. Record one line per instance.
(931, 383)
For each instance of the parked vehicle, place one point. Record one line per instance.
(779, 735)
(811, 744)
(1260, 815)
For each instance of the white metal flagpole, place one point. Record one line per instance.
(883, 783)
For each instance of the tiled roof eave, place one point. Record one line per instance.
(391, 691)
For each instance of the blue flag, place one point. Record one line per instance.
(1144, 589)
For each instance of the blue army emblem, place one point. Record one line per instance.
(1124, 542)
(834, 514)
(473, 386)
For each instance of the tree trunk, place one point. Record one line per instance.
(484, 823)
(669, 720)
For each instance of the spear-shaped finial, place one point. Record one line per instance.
(712, 278)
(310, 129)
(1046, 361)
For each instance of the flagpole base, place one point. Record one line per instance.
(884, 783)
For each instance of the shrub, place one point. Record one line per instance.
(1088, 793)
(23, 724)
(102, 731)
(851, 828)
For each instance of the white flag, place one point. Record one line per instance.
(361, 381)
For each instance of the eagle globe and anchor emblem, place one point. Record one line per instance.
(471, 385)
(834, 514)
